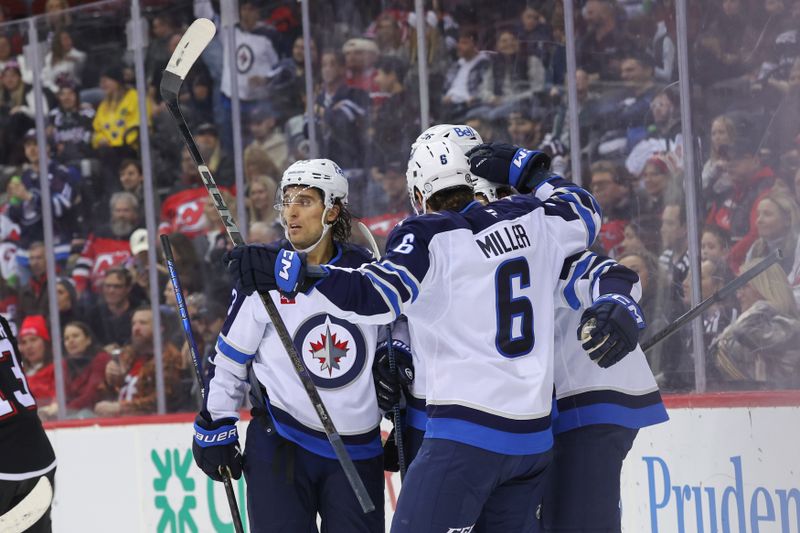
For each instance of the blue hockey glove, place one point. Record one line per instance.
(610, 328)
(264, 268)
(510, 165)
(216, 445)
(388, 385)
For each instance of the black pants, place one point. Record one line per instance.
(13, 492)
(583, 493)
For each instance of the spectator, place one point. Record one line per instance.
(464, 78)
(760, 349)
(715, 274)
(261, 200)
(714, 244)
(111, 317)
(394, 193)
(342, 112)
(723, 133)
(674, 259)
(267, 137)
(69, 308)
(138, 266)
(778, 226)
(396, 121)
(513, 75)
(658, 177)
(725, 47)
(25, 204)
(217, 159)
(360, 56)
(734, 208)
(390, 37)
(257, 163)
(17, 107)
(631, 112)
(214, 241)
(663, 133)
(182, 210)
(784, 132)
(116, 123)
(33, 290)
(599, 51)
(641, 233)
(70, 124)
(663, 48)
(133, 377)
(131, 179)
(287, 89)
(85, 372)
(525, 124)
(263, 233)
(535, 34)
(63, 60)
(162, 28)
(109, 245)
(612, 189)
(187, 262)
(37, 358)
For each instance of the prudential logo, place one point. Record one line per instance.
(183, 507)
(743, 506)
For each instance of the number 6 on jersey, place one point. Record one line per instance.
(514, 336)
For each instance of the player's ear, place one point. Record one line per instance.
(333, 214)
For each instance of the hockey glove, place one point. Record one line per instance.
(510, 165)
(610, 328)
(265, 268)
(216, 446)
(389, 385)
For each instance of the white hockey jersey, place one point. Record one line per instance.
(478, 290)
(624, 394)
(337, 353)
(255, 56)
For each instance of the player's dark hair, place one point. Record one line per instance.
(341, 227)
(452, 199)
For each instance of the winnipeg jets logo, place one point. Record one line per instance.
(329, 350)
(333, 350)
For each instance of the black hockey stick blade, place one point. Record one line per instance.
(170, 87)
(721, 294)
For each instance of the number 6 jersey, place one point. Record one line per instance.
(478, 290)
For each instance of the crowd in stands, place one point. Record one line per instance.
(498, 67)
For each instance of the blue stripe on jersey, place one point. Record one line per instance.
(391, 279)
(493, 440)
(531, 425)
(416, 418)
(584, 213)
(232, 353)
(608, 413)
(364, 446)
(389, 293)
(409, 282)
(569, 289)
(582, 193)
(238, 297)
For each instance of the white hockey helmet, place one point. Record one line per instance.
(461, 135)
(322, 174)
(433, 167)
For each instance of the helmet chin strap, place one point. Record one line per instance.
(325, 228)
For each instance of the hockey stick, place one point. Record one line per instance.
(718, 296)
(396, 420)
(188, 51)
(198, 365)
(30, 509)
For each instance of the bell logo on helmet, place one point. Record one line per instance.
(462, 131)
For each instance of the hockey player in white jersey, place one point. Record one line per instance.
(477, 285)
(290, 467)
(603, 397)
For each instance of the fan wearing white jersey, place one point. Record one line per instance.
(477, 285)
(291, 470)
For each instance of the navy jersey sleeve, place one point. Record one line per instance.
(578, 211)
(380, 291)
(586, 276)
